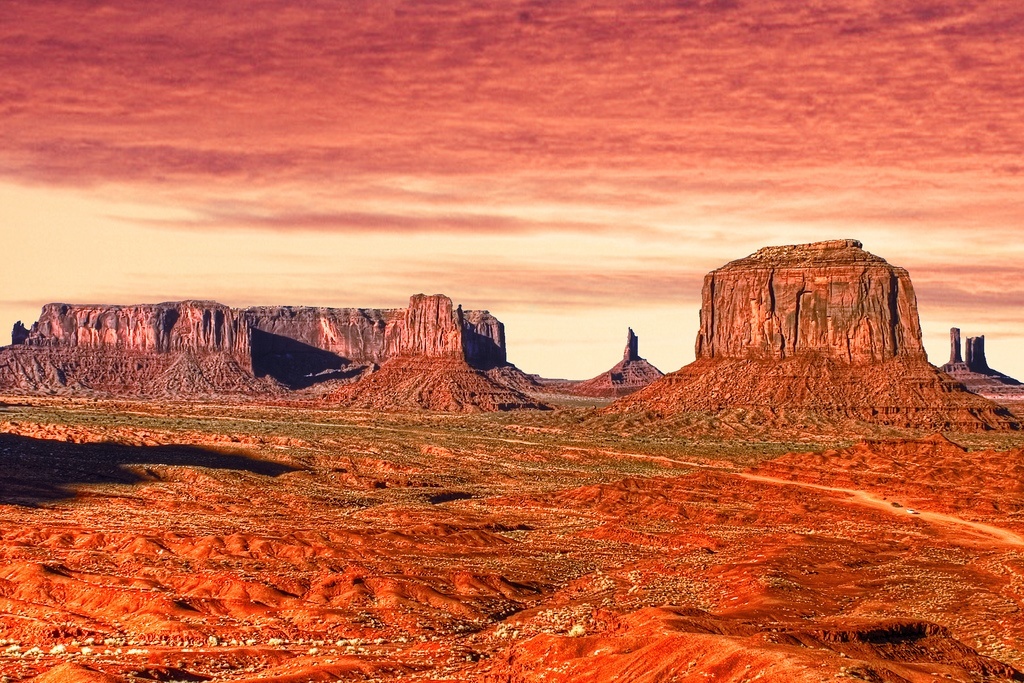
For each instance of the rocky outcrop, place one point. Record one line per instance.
(301, 346)
(632, 350)
(955, 353)
(151, 349)
(630, 374)
(428, 326)
(976, 375)
(976, 359)
(831, 299)
(814, 334)
(182, 326)
(19, 334)
(184, 348)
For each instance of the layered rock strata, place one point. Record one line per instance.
(814, 334)
(206, 348)
(630, 374)
(974, 372)
(832, 299)
(183, 348)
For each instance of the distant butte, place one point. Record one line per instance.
(822, 333)
(630, 374)
(975, 373)
(203, 348)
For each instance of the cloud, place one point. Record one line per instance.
(322, 90)
(347, 222)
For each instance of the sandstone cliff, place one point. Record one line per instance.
(814, 334)
(430, 326)
(206, 348)
(832, 299)
(184, 348)
(194, 326)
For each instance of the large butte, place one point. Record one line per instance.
(811, 335)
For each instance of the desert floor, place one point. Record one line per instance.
(227, 542)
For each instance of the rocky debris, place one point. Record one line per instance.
(630, 374)
(975, 373)
(76, 673)
(822, 333)
(129, 374)
(200, 348)
(513, 377)
(422, 382)
(19, 334)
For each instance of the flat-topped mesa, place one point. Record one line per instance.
(830, 299)
(203, 347)
(820, 336)
(429, 327)
(197, 326)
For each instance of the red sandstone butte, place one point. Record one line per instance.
(203, 348)
(812, 333)
(832, 299)
(630, 374)
(430, 370)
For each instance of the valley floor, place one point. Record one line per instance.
(238, 543)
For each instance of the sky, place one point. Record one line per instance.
(573, 167)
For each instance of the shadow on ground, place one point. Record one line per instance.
(35, 471)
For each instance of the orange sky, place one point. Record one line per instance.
(575, 167)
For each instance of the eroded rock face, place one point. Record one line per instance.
(816, 334)
(150, 349)
(431, 328)
(632, 350)
(19, 334)
(976, 359)
(196, 326)
(831, 299)
(361, 335)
